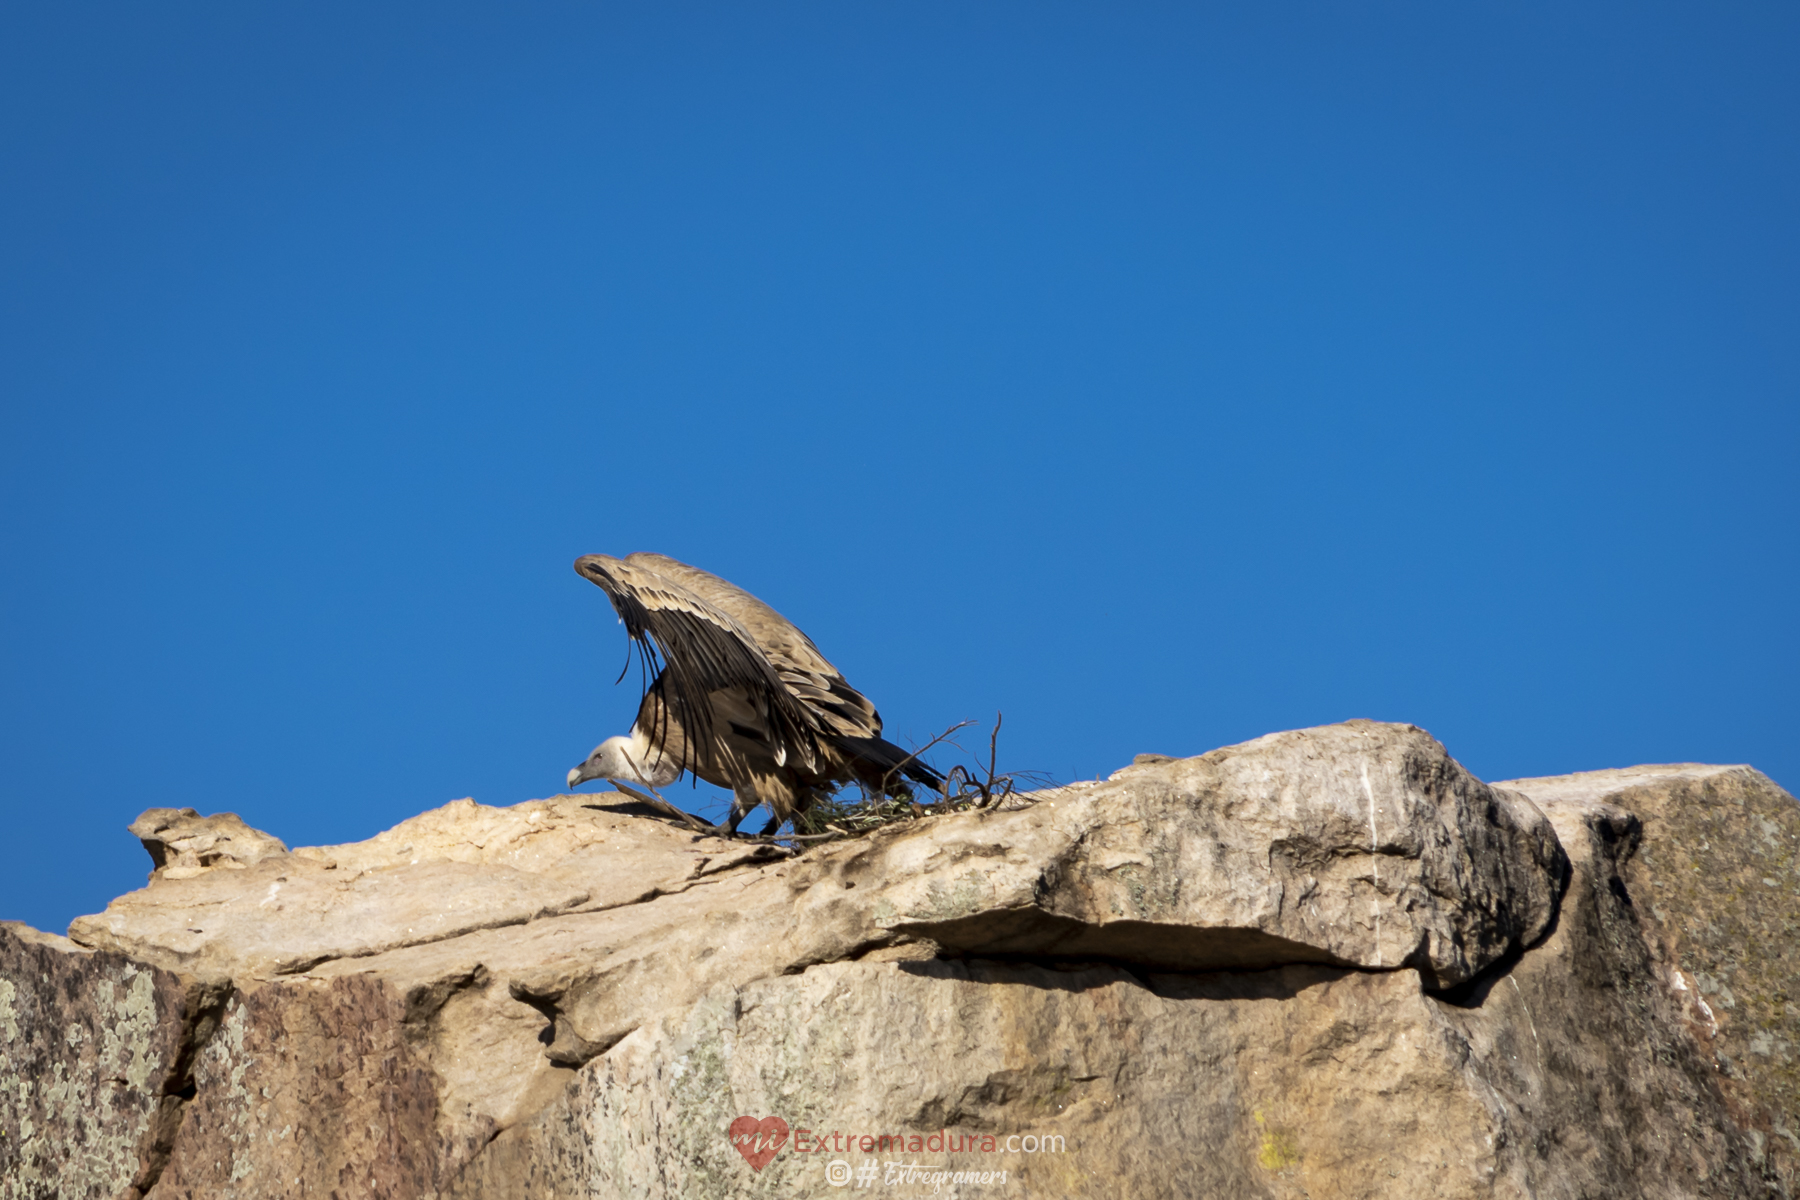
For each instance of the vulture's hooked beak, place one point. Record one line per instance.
(574, 776)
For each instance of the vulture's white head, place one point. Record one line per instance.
(629, 760)
(606, 762)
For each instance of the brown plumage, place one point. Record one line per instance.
(743, 699)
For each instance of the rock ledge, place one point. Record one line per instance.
(1328, 962)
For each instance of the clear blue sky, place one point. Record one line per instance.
(1160, 375)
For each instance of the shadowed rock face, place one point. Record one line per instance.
(1323, 963)
(1715, 891)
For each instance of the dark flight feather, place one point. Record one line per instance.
(717, 645)
(701, 649)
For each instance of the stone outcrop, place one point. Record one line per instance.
(1323, 963)
(1714, 885)
(1350, 845)
(183, 844)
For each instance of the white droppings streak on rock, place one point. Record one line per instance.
(1374, 860)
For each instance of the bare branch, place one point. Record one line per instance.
(993, 759)
(887, 778)
(665, 808)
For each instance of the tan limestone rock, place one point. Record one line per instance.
(285, 914)
(183, 844)
(1359, 844)
(1323, 963)
(448, 872)
(1566, 1076)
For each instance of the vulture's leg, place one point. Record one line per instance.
(773, 826)
(740, 808)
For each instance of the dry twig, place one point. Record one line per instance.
(964, 789)
(665, 808)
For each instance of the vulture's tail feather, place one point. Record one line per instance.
(881, 759)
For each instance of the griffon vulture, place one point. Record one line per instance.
(744, 700)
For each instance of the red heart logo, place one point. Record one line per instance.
(759, 1141)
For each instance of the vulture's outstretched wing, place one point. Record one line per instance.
(704, 648)
(833, 702)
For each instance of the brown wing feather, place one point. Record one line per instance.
(836, 705)
(706, 649)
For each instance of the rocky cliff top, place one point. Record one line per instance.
(1324, 962)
